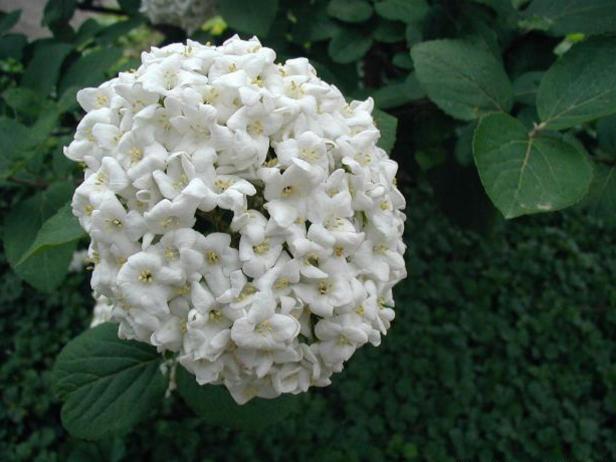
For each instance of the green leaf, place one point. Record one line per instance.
(407, 11)
(389, 32)
(12, 45)
(606, 134)
(130, 6)
(350, 10)
(24, 101)
(107, 384)
(117, 30)
(90, 69)
(313, 23)
(58, 11)
(601, 198)
(563, 17)
(464, 79)
(525, 87)
(8, 20)
(402, 60)
(61, 228)
(252, 17)
(15, 143)
(581, 86)
(217, 407)
(524, 175)
(43, 70)
(388, 125)
(111, 450)
(348, 45)
(398, 94)
(46, 270)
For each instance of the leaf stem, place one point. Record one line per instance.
(536, 129)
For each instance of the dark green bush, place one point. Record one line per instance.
(503, 349)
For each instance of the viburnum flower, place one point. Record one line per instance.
(241, 213)
(186, 14)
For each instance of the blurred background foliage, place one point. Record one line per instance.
(504, 343)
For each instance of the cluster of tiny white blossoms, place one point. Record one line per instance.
(186, 14)
(241, 215)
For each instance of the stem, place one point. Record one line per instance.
(536, 129)
(32, 183)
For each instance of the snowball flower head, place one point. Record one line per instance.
(186, 14)
(241, 213)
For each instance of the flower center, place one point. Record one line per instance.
(324, 287)
(212, 257)
(264, 327)
(146, 276)
(102, 100)
(214, 315)
(255, 128)
(116, 223)
(262, 248)
(135, 154)
(171, 254)
(169, 222)
(246, 292)
(222, 185)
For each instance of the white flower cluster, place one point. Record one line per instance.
(241, 215)
(186, 14)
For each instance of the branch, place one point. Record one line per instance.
(99, 9)
(31, 183)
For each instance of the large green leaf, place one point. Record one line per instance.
(388, 125)
(107, 384)
(217, 407)
(564, 17)
(601, 199)
(42, 72)
(348, 45)
(89, 70)
(525, 174)
(252, 17)
(62, 228)
(463, 78)
(44, 271)
(408, 11)
(581, 86)
(350, 10)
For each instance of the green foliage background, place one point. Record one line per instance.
(504, 345)
(503, 349)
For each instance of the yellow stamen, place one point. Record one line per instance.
(146, 276)
(262, 248)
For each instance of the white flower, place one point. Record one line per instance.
(241, 213)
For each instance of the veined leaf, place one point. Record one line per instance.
(107, 384)
(525, 174)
